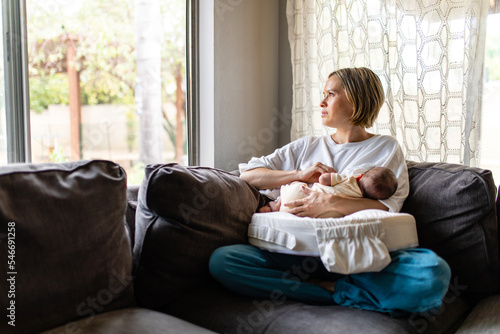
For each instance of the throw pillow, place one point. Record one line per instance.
(454, 207)
(66, 247)
(183, 215)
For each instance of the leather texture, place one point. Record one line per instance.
(454, 207)
(132, 320)
(183, 215)
(72, 252)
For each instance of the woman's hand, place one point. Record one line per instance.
(312, 174)
(264, 178)
(313, 205)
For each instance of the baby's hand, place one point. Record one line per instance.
(325, 179)
(275, 205)
(313, 205)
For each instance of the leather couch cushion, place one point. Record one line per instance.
(183, 215)
(454, 207)
(216, 308)
(72, 254)
(132, 320)
(483, 318)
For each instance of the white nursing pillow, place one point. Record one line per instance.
(359, 242)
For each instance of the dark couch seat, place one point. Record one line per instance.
(132, 320)
(216, 308)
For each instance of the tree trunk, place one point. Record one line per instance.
(179, 103)
(75, 103)
(148, 91)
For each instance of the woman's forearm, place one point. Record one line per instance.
(263, 178)
(316, 204)
(349, 205)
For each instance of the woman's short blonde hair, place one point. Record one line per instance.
(364, 91)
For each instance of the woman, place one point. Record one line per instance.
(415, 280)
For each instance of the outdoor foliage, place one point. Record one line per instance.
(104, 34)
(105, 56)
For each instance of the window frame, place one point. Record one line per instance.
(16, 78)
(192, 81)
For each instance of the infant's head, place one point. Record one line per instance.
(378, 183)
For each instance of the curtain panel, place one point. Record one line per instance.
(428, 54)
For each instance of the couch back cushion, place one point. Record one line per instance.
(498, 215)
(66, 244)
(183, 215)
(455, 210)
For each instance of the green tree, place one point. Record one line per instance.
(106, 53)
(106, 57)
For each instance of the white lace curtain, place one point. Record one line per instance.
(428, 54)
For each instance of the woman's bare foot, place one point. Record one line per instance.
(327, 285)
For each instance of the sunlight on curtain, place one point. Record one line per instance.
(428, 54)
(3, 121)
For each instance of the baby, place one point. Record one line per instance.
(377, 183)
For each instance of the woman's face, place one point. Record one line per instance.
(336, 110)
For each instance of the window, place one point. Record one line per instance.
(107, 80)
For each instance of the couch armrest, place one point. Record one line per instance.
(455, 210)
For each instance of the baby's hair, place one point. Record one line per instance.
(378, 183)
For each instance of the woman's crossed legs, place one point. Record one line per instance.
(416, 280)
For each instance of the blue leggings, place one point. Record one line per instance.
(416, 280)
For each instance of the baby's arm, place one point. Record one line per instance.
(331, 179)
(325, 179)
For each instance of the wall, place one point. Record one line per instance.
(246, 112)
(246, 80)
